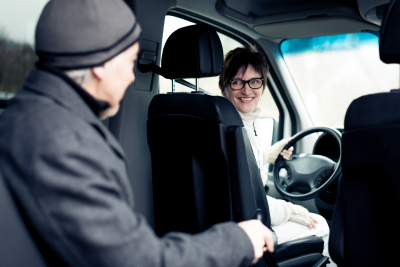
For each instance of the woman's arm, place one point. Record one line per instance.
(277, 149)
(282, 211)
(279, 210)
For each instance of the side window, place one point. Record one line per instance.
(270, 111)
(18, 19)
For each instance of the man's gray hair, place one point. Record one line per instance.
(80, 76)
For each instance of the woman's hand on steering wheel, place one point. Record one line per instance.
(287, 153)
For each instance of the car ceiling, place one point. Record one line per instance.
(259, 8)
(286, 19)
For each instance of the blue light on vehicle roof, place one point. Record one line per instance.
(329, 43)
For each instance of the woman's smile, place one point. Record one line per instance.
(246, 100)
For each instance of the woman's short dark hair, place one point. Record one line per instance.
(243, 57)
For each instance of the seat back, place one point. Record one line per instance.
(17, 247)
(204, 171)
(370, 210)
(367, 214)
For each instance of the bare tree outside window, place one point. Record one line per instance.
(16, 60)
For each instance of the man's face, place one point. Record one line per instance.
(118, 76)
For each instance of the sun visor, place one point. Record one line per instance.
(314, 27)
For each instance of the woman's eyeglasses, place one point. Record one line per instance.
(238, 84)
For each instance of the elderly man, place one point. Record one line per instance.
(68, 172)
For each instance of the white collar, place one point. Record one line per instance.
(251, 116)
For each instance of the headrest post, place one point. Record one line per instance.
(173, 85)
(197, 85)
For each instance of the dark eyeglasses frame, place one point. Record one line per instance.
(248, 82)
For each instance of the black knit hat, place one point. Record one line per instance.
(73, 34)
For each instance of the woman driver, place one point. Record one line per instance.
(242, 81)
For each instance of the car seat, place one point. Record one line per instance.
(204, 171)
(365, 224)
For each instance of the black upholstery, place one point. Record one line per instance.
(365, 226)
(368, 209)
(310, 244)
(17, 247)
(337, 243)
(189, 197)
(215, 109)
(192, 52)
(190, 161)
(389, 41)
(204, 170)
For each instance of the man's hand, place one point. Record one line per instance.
(260, 236)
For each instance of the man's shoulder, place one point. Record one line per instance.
(38, 111)
(38, 119)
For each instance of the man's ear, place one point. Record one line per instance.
(99, 72)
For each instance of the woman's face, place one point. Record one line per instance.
(245, 100)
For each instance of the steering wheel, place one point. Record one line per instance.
(308, 175)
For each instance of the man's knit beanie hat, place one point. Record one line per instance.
(74, 34)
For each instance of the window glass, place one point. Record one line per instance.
(331, 71)
(18, 20)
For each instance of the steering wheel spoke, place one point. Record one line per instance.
(308, 174)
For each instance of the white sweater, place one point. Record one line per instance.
(280, 210)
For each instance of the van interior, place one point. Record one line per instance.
(323, 56)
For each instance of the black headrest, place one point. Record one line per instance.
(373, 110)
(190, 52)
(214, 108)
(389, 44)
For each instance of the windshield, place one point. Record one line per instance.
(331, 71)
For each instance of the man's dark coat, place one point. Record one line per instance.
(69, 175)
